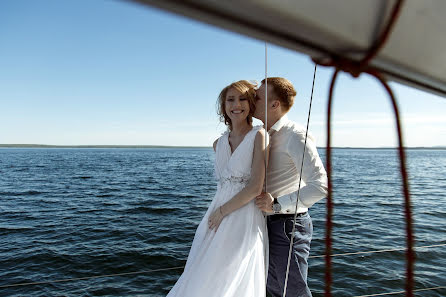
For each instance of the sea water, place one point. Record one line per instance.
(74, 213)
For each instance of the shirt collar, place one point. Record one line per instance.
(279, 124)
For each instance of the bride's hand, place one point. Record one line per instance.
(215, 219)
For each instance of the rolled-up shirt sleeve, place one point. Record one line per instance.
(314, 176)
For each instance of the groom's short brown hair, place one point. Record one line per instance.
(283, 89)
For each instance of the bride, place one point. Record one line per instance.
(227, 257)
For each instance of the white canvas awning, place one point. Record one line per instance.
(415, 53)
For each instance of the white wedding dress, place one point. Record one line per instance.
(232, 261)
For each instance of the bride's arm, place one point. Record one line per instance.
(252, 189)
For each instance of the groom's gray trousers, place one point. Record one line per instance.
(279, 231)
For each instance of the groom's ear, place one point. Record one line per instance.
(276, 104)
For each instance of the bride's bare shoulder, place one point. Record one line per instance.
(215, 144)
(216, 140)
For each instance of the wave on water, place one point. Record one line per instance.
(25, 193)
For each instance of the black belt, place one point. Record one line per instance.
(285, 216)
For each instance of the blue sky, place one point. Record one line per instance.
(115, 72)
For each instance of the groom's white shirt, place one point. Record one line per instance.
(287, 143)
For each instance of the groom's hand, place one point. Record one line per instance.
(265, 202)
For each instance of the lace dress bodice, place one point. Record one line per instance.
(234, 168)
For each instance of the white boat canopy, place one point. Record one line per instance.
(414, 54)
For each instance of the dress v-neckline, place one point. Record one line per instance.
(231, 153)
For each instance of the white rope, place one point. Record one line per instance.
(402, 292)
(88, 277)
(378, 251)
(298, 189)
(181, 267)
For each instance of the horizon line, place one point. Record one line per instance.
(183, 146)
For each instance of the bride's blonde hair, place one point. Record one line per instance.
(244, 87)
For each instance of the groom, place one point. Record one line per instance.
(286, 151)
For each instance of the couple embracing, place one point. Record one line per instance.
(235, 251)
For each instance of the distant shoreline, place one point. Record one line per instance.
(93, 146)
(185, 147)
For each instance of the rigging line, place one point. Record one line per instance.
(88, 277)
(401, 292)
(266, 114)
(181, 267)
(266, 143)
(378, 251)
(298, 188)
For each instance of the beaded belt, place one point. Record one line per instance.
(234, 179)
